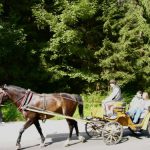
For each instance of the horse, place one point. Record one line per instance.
(62, 103)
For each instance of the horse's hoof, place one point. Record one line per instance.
(82, 139)
(18, 146)
(42, 145)
(67, 143)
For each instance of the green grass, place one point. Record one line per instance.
(92, 104)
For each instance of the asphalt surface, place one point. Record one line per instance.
(56, 132)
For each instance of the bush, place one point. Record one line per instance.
(11, 113)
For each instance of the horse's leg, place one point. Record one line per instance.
(28, 123)
(38, 127)
(71, 126)
(81, 138)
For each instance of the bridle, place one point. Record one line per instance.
(21, 99)
(2, 94)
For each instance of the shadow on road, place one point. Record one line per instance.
(139, 135)
(63, 137)
(30, 146)
(54, 138)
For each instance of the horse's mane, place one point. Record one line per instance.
(14, 87)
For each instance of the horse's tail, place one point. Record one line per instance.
(80, 104)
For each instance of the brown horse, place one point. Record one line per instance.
(62, 103)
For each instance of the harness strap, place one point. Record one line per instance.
(26, 99)
(44, 102)
(44, 106)
(29, 97)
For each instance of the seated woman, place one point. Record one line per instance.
(136, 107)
(146, 100)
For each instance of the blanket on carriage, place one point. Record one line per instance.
(146, 120)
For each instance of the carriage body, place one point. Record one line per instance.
(110, 129)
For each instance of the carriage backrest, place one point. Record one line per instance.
(120, 107)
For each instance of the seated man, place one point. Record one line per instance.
(136, 107)
(114, 97)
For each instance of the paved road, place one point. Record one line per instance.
(56, 133)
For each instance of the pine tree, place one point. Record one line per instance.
(69, 54)
(125, 52)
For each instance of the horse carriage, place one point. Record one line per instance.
(111, 129)
(35, 107)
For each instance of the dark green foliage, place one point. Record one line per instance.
(125, 51)
(75, 45)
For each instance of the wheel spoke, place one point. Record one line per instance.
(114, 138)
(90, 125)
(117, 133)
(92, 130)
(108, 138)
(111, 139)
(107, 130)
(106, 135)
(99, 130)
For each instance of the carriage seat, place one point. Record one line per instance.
(119, 106)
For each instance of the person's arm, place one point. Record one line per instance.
(112, 95)
(132, 102)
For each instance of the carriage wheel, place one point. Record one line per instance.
(95, 128)
(112, 133)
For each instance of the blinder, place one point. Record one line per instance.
(3, 95)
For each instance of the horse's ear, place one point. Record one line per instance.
(3, 87)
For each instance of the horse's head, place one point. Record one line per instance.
(3, 94)
(11, 92)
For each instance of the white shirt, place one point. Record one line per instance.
(137, 103)
(115, 95)
(146, 104)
